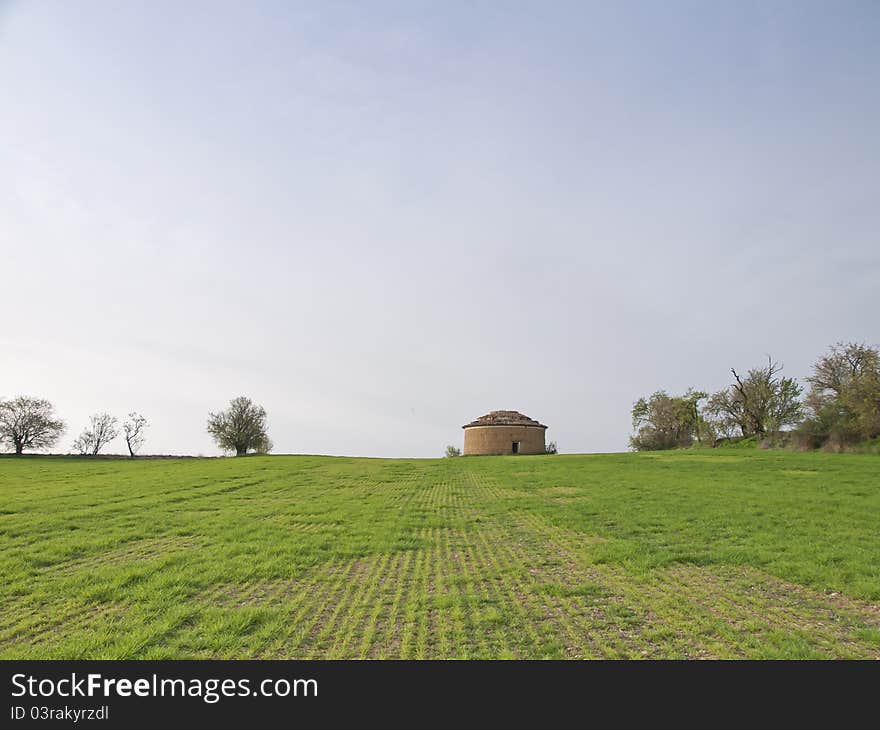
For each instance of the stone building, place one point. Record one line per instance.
(504, 432)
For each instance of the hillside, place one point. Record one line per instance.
(719, 553)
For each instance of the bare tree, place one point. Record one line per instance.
(101, 431)
(240, 428)
(82, 444)
(760, 403)
(28, 423)
(133, 429)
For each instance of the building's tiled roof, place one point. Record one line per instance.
(504, 418)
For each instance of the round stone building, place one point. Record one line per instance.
(504, 432)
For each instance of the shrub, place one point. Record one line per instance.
(666, 422)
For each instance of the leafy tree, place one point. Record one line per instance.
(666, 422)
(100, 432)
(452, 451)
(762, 402)
(703, 429)
(28, 423)
(264, 447)
(550, 448)
(843, 404)
(133, 429)
(240, 428)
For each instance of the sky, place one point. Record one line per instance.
(381, 220)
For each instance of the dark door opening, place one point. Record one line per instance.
(515, 447)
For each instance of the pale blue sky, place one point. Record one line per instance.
(382, 220)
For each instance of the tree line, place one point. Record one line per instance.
(840, 408)
(30, 424)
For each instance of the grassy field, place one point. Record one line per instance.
(674, 555)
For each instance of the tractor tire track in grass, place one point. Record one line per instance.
(686, 621)
(316, 557)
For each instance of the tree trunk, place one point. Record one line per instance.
(19, 447)
(239, 451)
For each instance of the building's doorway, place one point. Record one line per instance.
(515, 447)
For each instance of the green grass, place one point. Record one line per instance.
(711, 553)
